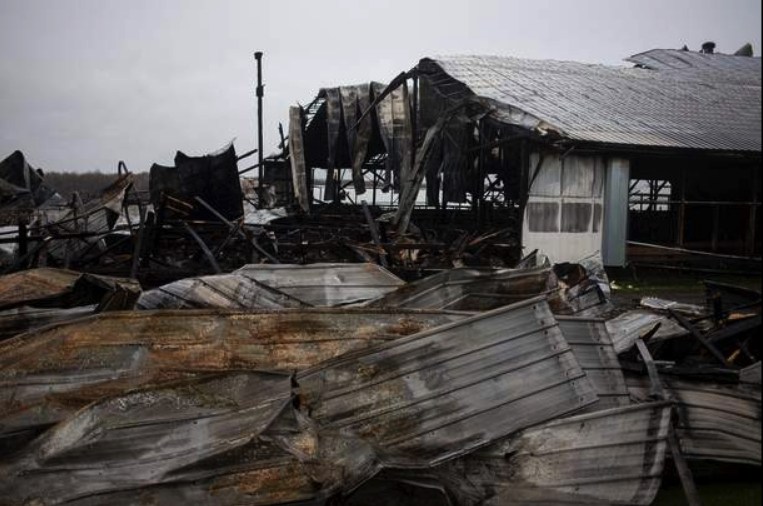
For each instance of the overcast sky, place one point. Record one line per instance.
(84, 84)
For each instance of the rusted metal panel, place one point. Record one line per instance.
(325, 284)
(50, 373)
(22, 319)
(225, 291)
(715, 421)
(442, 393)
(62, 288)
(35, 285)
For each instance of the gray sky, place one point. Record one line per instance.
(86, 83)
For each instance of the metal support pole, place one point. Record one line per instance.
(260, 94)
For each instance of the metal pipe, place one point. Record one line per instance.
(260, 93)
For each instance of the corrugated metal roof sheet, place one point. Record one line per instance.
(146, 437)
(469, 289)
(613, 456)
(325, 284)
(35, 285)
(236, 290)
(615, 105)
(592, 346)
(724, 66)
(442, 393)
(715, 422)
(627, 327)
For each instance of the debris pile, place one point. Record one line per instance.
(343, 384)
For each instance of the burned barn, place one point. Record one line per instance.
(649, 162)
(408, 305)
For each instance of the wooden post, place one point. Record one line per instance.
(750, 240)
(23, 238)
(716, 228)
(137, 251)
(681, 209)
(657, 390)
(374, 233)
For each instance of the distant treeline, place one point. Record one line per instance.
(88, 184)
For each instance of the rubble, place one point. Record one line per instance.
(330, 382)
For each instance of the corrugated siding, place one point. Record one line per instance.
(629, 106)
(444, 392)
(592, 346)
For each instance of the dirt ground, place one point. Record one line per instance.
(629, 286)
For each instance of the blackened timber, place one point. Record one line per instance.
(138, 244)
(204, 247)
(657, 389)
(237, 230)
(697, 335)
(374, 233)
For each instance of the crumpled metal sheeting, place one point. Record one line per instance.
(35, 285)
(442, 393)
(48, 374)
(325, 284)
(225, 291)
(145, 437)
(213, 177)
(613, 456)
(394, 116)
(468, 289)
(22, 319)
(333, 124)
(358, 138)
(22, 188)
(62, 288)
(592, 346)
(97, 216)
(659, 304)
(627, 327)
(715, 421)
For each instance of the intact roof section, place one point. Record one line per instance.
(676, 59)
(614, 105)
